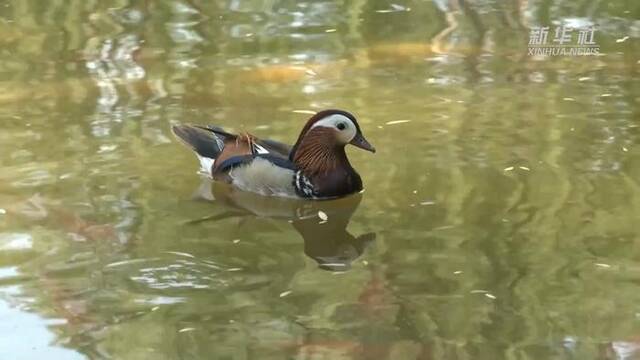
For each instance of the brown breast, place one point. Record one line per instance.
(324, 162)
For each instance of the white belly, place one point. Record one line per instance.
(262, 177)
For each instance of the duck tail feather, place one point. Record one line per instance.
(217, 130)
(205, 143)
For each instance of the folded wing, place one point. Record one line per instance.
(217, 149)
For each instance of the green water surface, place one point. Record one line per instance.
(500, 219)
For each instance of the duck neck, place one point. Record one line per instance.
(317, 155)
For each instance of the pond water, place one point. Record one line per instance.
(499, 220)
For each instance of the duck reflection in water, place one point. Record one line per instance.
(322, 224)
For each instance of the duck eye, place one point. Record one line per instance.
(341, 126)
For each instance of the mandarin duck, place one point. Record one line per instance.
(315, 167)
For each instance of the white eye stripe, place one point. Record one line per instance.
(333, 120)
(345, 135)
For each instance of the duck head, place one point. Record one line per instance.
(322, 140)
